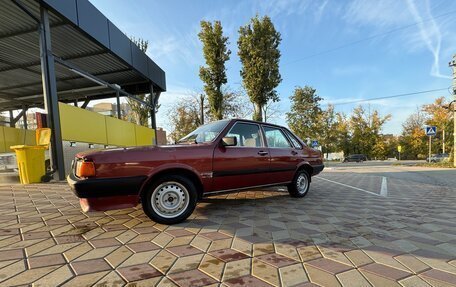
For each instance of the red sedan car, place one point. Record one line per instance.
(168, 180)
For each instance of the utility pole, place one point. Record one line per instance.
(202, 109)
(430, 150)
(443, 149)
(453, 64)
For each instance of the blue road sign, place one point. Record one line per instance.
(431, 131)
(314, 143)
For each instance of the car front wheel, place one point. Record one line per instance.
(170, 199)
(300, 185)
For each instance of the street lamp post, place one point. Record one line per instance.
(453, 65)
(453, 102)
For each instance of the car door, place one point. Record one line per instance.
(284, 156)
(242, 165)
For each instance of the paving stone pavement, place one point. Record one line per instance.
(335, 236)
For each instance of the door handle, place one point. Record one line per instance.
(293, 152)
(262, 152)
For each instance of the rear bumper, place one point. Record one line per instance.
(105, 187)
(318, 168)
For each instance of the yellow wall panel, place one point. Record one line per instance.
(144, 136)
(13, 136)
(120, 133)
(2, 141)
(82, 125)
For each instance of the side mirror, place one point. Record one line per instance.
(229, 141)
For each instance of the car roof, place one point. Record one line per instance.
(257, 122)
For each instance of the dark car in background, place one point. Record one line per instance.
(355, 158)
(441, 157)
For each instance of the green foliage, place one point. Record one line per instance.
(327, 136)
(413, 138)
(438, 115)
(305, 113)
(366, 130)
(342, 133)
(259, 53)
(235, 104)
(213, 75)
(142, 44)
(184, 117)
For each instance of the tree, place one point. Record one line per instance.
(327, 136)
(366, 130)
(271, 111)
(438, 115)
(213, 75)
(184, 117)
(342, 134)
(413, 139)
(304, 113)
(259, 53)
(140, 112)
(235, 104)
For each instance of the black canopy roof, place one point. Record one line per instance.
(80, 35)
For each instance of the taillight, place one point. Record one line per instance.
(85, 169)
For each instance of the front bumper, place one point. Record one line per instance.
(105, 187)
(318, 168)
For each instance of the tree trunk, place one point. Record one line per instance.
(258, 113)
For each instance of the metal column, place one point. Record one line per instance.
(119, 115)
(51, 104)
(24, 116)
(11, 121)
(153, 120)
(152, 109)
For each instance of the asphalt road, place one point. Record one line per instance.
(406, 173)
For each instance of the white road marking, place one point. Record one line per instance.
(384, 188)
(353, 187)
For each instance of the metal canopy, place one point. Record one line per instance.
(80, 35)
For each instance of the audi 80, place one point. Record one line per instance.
(168, 180)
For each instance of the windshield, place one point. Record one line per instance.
(206, 133)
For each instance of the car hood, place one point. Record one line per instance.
(132, 151)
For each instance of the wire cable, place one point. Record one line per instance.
(388, 97)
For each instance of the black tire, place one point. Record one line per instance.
(293, 188)
(165, 190)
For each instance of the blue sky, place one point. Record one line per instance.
(407, 60)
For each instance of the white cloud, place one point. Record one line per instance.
(274, 8)
(392, 14)
(385, 13)
(430, 35)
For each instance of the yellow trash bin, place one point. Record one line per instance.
(30, 162)
(30, 159)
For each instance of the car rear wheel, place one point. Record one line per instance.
(170, 199)
(300, 185)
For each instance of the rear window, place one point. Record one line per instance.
(294, 140)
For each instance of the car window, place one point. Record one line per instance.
(293, 139)
(206, 133)
(276, 138)
(248, 135)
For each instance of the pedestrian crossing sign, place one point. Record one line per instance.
(431, 131)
